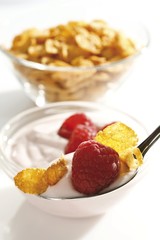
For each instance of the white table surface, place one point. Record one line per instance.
(137, 216)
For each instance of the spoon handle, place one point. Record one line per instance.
(148, 142)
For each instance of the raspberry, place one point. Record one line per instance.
(71, 122)
(94, 167)
(80, 134)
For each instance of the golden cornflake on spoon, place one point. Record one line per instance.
(56, 171)
(31, 180)
(37, 180)
(122, 139)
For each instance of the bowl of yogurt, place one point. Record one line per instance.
(30, 140)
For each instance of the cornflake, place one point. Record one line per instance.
(122, 139)
(31, 180)
(37, 180)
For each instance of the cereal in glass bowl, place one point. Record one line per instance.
(74, 60)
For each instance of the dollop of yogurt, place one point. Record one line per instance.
(36, 147)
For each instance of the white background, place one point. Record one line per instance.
(137, 216)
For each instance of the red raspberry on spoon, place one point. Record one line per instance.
(94, 167)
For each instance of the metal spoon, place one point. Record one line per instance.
(121, 181)
(148, 142)
(143, 147)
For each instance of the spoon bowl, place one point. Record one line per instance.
(69, 193)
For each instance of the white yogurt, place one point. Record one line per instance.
(36, 145)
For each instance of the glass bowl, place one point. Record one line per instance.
(30, 140)
(44, 83)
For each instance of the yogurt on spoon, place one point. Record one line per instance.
(65, 190)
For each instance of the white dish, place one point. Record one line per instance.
(48, 116)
